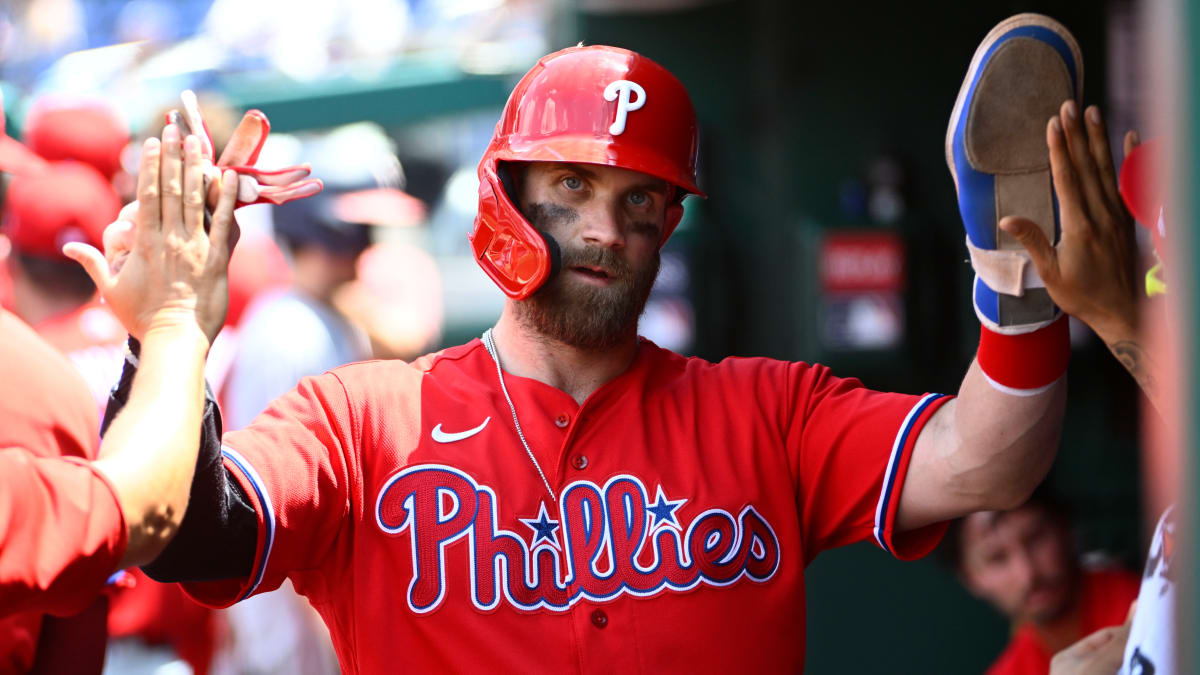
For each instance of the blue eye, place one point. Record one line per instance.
(639, 199)
(572, 183)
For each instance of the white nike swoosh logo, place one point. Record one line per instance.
(449, 437)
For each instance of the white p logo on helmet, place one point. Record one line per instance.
(618, 91)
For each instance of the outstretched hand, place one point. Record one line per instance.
(163, 270)
(1091, 274)
(1100, 653)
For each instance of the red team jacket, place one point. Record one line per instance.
(1104, 597)
(690, 496)
(46, 411)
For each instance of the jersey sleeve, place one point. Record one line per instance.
(850, 447)
(62, 533)
(295, 464)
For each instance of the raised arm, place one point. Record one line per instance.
(169, 292)
(988, 449)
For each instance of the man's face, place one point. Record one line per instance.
(608, 223)
(1021, 561)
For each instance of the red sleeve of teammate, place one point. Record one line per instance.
(851, 447)
(61, 533)
(292, 462)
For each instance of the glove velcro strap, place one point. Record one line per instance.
(1008, 272)
(1027, 364)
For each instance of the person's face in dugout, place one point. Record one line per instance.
(608, 223)
(1021, 561)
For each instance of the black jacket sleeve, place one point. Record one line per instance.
(217, 537)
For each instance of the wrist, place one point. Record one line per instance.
(174, 334)
(1115, 330)
(1028, 363)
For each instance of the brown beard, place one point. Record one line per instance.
(581, 315)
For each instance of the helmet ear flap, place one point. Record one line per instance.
(509, 183)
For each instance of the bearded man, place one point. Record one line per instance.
(562, 495)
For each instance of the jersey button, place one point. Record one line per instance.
(562, 420)
(599, 618)
(579, 462)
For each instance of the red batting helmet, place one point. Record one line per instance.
(591, 105)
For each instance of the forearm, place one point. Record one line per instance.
(149, 450)
(984, 451)
(1006, 443)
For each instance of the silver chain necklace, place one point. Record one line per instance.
(489, 343)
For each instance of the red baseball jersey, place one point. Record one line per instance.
(688, 499)
(46, 409)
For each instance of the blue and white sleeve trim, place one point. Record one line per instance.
(889, 490)
(264, 500)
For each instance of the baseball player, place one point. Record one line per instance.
(46, 409)
(1148, 641)
(67, 524)
(560, 495)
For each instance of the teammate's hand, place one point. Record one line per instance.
(1091, 274)
(164, 272)
(1100, 652)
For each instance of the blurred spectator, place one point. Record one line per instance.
(85, 131)
(1023, 562)
(69, 201)
(296, 331)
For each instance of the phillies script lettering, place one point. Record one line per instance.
(601, 542)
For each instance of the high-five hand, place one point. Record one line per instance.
(1091, 273)
(170, 273)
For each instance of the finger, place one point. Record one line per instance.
(171, 181)
(1029, 234)
(1081, 158)
(1132, 140)
(1102, 155)
(193, 185)
(92, 260)
(223, 234)
(149, 210)
(1131, 612)
(1071, 210)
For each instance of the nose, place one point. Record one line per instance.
(602, 226)
(1022, 568)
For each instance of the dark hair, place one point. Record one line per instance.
(57, 277)
(313, 222)
(949, 551)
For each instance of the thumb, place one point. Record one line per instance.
(92, 260)
(1027, 232)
